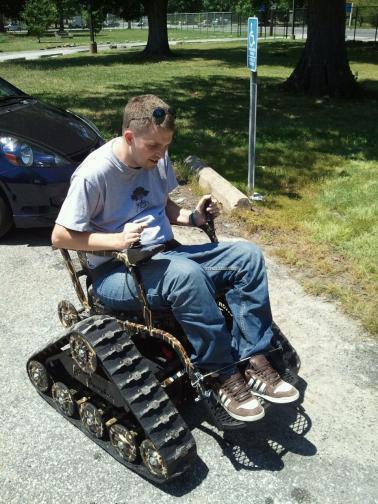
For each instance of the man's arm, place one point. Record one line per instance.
(176, 214)
(81, 240)
(184, 217)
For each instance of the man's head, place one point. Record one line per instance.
(144, 111)
(148, 127)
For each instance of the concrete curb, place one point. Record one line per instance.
(33, 55)
(51, 55)
(230, 197)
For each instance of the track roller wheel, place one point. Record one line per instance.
(38, 376)
(92, 420)
(152, 459)
(124, 442)
(67, 313)
(63, 398)
(83, 353)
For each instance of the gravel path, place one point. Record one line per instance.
(322, 450)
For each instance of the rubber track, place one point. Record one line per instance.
(141, 393)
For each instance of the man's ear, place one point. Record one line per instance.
(128, 135)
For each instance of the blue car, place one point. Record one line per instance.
(40, 147)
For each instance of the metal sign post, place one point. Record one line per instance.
(253, 26)
(349, 10)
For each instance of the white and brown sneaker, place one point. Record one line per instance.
(265, 382)
(235, 397)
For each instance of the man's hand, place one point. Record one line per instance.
(207, 205)
(131, 234)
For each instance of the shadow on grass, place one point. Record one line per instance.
(299, 139)
(271, 53)
(362, 52)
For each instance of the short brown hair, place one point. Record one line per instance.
(138, 113)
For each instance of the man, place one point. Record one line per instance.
(119, 196)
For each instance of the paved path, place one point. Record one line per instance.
(322, 450)
(62, 51)
(362, 35)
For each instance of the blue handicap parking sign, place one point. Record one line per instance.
(253, 24)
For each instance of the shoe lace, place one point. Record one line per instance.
(267, 373)
(236, 387)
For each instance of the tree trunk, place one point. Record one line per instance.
(323, 67)
(157, 43)
(59, 8)
(2, 28)
(61, 22)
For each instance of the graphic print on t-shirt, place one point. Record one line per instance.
(138, 196)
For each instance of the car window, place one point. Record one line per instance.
(7, 89)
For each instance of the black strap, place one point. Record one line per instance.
(108, 266)
(171, 244)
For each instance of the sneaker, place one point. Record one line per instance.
(232, 393)
(264, 381)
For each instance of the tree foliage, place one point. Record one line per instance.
(185, 5)
(38, 16)
(66, 9)
(98, 17)
(247, 8)
(11, 8)
(132, 9)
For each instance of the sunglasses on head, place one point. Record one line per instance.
(158, 115)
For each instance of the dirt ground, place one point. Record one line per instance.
(319, 450)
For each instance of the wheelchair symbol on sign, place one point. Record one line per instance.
(252, 40)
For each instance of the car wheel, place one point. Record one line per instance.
(6, 220)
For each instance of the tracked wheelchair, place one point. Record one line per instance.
(122, 377)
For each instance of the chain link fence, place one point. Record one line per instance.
(361, 23)
(362, 20)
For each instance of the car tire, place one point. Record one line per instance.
(6, 220)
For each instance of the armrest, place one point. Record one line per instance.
(131, 256)
(138, 255)
(209, 229)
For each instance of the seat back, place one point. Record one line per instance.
(76, 273)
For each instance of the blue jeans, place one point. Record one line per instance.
(186, 281)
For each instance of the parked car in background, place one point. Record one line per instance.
(40, 147)
(76, 22)
(111, 24)
(13, 26)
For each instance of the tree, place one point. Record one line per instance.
(156, 11)
(65, 9)
(38, 16)
(219, 5)
(247, 8)
(98, 17)
(323, 67)
(157, 43)
(185, 5)
(10, 9)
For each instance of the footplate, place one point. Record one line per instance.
(219, 416)
(116, 399)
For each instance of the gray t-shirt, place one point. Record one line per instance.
(105, 194)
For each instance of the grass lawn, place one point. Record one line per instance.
(316, 158)
(22, 42)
